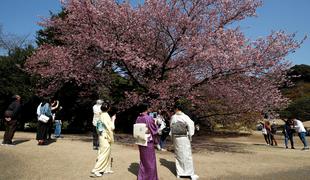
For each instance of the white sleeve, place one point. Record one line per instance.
(191, 125)
(172, 120)
(39, 109)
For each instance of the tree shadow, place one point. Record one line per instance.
(134, 168)
(169, 165)
(86, 140)
(231, 147)
(20, 141)
(269, 146)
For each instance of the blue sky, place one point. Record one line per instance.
(21, 16)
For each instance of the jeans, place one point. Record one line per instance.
(302, 136)
(288, 136)
(57, 128)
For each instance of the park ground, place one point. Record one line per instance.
(231, 157)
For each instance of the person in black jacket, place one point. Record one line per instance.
(11, 116)
(288, 132)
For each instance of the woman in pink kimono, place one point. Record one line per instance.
(147, 168)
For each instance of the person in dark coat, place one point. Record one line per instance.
(11, 116)
(288, 132)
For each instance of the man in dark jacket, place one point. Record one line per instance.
(10, 122)
(288, 132)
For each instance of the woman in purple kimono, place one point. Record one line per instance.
(147, 168)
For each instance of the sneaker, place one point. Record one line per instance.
(97, 174)
(108, 172)
(95, 148)
(194, 177)
(292, 148)
(163, 149)
(305, 148)
(158, 147)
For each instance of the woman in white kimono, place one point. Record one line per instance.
(182, 129)
(105, 127)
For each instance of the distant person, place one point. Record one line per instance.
(54, 108)
(147, 167)
(273, 131)
(288, 132)
(58, 122)
(159, 123)
(44, 108)
(300, 129)
(105, 127)
(268, 129)
(182, 130)
(164, 129)
(11, 116)
(97, 112)
(265, 134)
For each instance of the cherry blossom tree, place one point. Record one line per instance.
(169, 49)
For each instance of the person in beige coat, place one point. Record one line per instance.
(105, 127)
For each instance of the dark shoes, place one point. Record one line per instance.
(42, 143)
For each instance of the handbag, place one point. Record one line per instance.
(140, 134)
(43, 118)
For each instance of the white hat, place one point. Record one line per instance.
(99, 101)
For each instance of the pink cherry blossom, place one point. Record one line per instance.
(169, 49)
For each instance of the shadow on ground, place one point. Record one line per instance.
(214, 146)
(20, 141)
(134, 168)
(168, 164)
(199, 143)
(283, 175)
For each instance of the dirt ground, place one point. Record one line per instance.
(225, 157)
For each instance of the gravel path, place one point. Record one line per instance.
(238, 157)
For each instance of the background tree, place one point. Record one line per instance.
(298, 92)
(168, 50)
(14, 80)
(10, 42)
